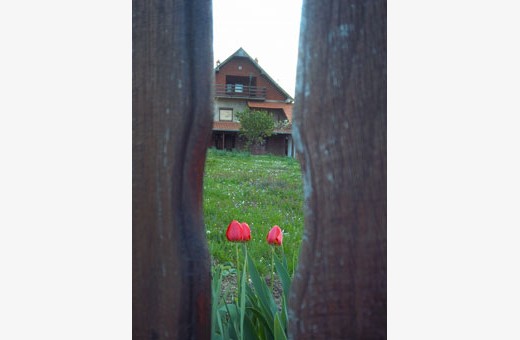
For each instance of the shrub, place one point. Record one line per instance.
(256, 126)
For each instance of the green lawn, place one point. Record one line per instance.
(260, 190)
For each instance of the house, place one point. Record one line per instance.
(241, 84)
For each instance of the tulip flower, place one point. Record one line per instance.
(240, 232)
(246, 231)
(275, 236)
(235, 231)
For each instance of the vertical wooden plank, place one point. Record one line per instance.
(172, 82)
(339, 129)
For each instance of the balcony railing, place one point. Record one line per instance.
(240, 91)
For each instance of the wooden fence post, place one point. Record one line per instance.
(339, 290)
(172, 81)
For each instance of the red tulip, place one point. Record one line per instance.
(275, 236)
(235, 231)
(247, 231)
(238, 232)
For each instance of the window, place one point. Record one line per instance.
(226, 114)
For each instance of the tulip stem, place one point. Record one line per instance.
(238, 262)
(243, 293)
(272, 270)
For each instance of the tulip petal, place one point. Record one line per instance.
(234, 232)
(246, 232)
(275, 235)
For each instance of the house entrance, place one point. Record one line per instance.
(224, 140)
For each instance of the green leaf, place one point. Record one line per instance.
(232, 331)
(220, 327)
(283, 317)
(265, 296)
(283, 274)
(243, 295)
(264, 326)
(232, 311)
(279, 332)
(215, 315)
(255, 125)
(250, 331)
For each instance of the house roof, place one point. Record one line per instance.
(226, 126)
(287, 108)
(241, 53)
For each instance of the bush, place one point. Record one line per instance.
(256, 126)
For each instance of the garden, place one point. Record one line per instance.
(253, 212)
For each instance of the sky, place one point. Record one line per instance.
(267, 30)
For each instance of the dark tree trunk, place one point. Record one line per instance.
(172, 81)
(339, 290)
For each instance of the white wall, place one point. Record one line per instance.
(236, 105)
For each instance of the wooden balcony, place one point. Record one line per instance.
(240, 91)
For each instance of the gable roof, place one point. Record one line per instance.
(243, 54)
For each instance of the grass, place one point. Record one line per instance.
(261, 190)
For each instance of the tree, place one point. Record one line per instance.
(256, 126)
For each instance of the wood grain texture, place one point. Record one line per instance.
(339, 127)
(172, 81)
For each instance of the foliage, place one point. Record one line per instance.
(283, 125)
(254, 314)
(255, 126)
(262, 190)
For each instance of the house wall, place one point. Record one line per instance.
(236, 105)
(241, 105)
(276, 145)
(248, 68)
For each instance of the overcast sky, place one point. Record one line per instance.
(267, 30)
